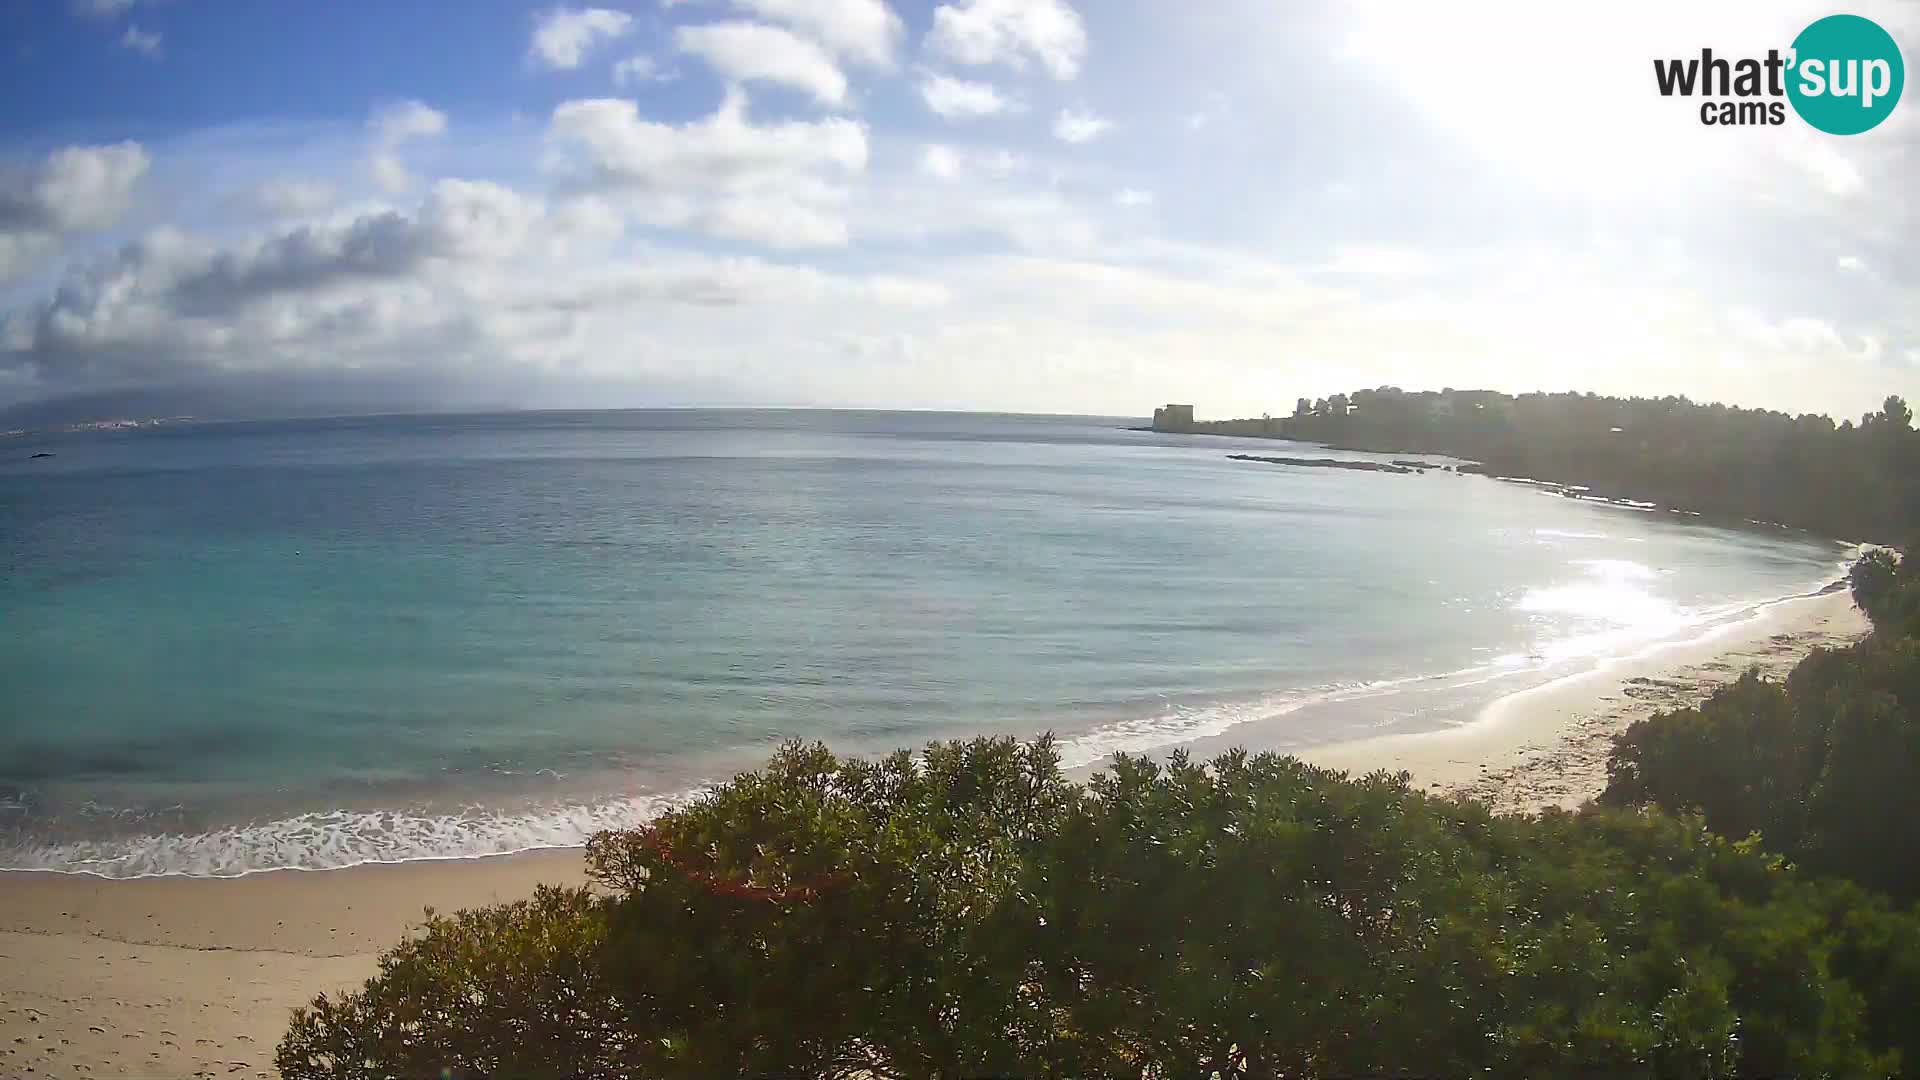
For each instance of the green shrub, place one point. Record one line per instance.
(508, 991)
(1826, 769)
(970, 912)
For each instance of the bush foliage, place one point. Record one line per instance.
(972, 912)
(1825, 768)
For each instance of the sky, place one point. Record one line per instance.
(1020, 205)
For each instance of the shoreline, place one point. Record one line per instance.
(1546, 746)
(185, 976)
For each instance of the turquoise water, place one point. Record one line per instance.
(229, 647)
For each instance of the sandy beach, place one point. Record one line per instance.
(1548, 746)
(195, 977)
(187, 977)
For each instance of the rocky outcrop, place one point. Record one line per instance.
(1328, 463)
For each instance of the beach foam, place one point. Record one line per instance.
(336, 839)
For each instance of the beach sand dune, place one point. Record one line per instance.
(191, 977)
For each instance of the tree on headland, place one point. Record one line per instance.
(1846, 480)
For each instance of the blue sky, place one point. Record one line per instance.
(1049, 205)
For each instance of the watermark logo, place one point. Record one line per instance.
(1843, 75)
(1849, 75)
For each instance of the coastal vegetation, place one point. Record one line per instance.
(970, 911)
(1825, 768)
(1847, 479)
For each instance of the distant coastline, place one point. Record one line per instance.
(97, 425)
(1410, 467)
(1732, 466)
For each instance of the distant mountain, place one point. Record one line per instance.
(339, 393)
(227, 399)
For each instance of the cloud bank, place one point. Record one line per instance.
(997, 204)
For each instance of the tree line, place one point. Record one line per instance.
(1849, 480)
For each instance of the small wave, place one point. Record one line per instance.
(336, 839)
(1190, 723)
(1647, 623)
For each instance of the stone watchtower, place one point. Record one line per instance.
(1173, 418)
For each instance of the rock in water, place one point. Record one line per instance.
(1325, 463)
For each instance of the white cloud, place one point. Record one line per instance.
(392, 126)
(293, 198)
(1826, 165)
(778, 184)
(103, 9)
(389, 173)
(563, 37)
(1003, 163)
(744, 52)
(1216, 108)
(946, 163)
(79, 187)
(169, 296)
(958, 99)
(22, 251)
(940, 161)
(144, 42)
(1132, 197)
(1079, 126)
(1380, 261)
(622, 147)
(76, 189)
(1010, 32)
(476, 283)
(398, 122)
(640, 68)
(863, 31)
(1852, 264)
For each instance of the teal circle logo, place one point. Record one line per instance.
(1846, 74)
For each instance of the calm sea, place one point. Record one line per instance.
(230, 647)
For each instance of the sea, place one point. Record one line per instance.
(237, 647)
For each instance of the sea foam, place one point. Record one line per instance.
(336, 839)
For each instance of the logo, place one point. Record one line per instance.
(1843, 75)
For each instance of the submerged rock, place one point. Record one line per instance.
(1327, 463)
